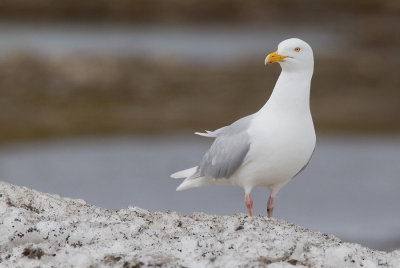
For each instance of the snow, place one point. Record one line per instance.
(38, 229)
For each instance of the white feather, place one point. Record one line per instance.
(184, 173)
(208, 134)
(281, 134)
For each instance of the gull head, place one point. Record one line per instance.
(293, 55)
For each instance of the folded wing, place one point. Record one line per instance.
(228, 152)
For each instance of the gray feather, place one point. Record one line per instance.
(228, 151)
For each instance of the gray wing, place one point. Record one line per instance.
(228, 151)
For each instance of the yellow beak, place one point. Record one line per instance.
(274, 57)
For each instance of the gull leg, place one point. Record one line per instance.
(249, 204)
(270, 206)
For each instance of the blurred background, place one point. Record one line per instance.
(99, 100)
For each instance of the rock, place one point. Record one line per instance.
(46, 230)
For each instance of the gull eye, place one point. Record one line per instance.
(297, 49)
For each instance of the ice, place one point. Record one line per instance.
(38, 229)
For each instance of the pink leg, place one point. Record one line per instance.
(249, 204)
(270, 206)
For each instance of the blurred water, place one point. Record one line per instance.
(350, 189)
(201, 43)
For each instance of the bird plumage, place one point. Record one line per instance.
(271, 146)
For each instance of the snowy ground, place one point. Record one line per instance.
(46, 230)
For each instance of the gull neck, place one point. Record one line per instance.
(291, 92)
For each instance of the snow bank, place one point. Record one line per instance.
(50, 231)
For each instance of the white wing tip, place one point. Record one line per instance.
(175, 175)
(184, 173)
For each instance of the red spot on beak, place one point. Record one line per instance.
(270, 62)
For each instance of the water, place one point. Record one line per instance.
(200, 44)
(350, 188)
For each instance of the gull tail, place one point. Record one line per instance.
(189, 182)
(192, 183)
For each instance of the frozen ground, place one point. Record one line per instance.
(46, 230)
(348, 189)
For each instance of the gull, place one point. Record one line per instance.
(270, 147)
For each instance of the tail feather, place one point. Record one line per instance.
(189, 182)
(201, 181)
(195, 181)
(184, 173)
(192, 183)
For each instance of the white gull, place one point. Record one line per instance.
(271, 146)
